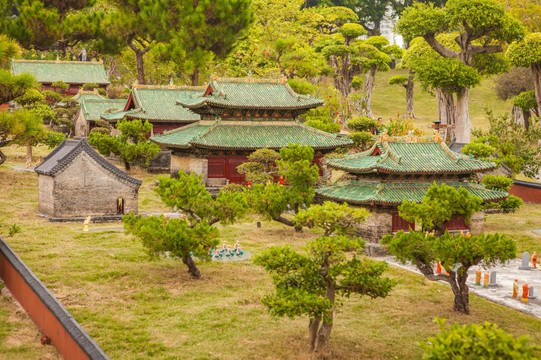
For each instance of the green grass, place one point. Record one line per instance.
(390, 100)
(138, 308)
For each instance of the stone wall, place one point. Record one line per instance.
(45, 195)
(477, 224)
(161, 163)
(189, 164)
(376, 226)
(81, 125)
(85, 188)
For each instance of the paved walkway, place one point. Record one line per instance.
(502, 293)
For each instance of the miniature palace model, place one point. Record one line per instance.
(398, 168)
(239, 116)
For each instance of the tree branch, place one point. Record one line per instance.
(439, 48)
(489, 49)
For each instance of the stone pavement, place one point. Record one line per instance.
(502, 293)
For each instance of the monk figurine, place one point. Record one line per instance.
(534, 260)
(85, 224)
(478, 277)
(485, 282)
(281, 180)
(438, 268)
(525, 290)
(515, 289)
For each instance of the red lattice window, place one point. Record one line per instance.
(401, 224)
(216, 166)
(456, 223)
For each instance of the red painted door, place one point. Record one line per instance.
(231, 169)
(400, 224)
(216, 166)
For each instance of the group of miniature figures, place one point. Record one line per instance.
(227, 251)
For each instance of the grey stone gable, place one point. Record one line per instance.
(68, 150)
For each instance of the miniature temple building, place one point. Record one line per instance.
(73, 73)
(158, 105)
(91, 109)
(76, 182)
(398, 168)
(239, 116)
(87, 94)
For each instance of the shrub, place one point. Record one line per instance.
(330, 127)
(474, 341)
(478, 150)
(512, 203)
(89, 86)
(301, 86)
(53, 139)
(498, 182)
(102, 92)
(362, 123)
(101, 130)
(362, 139)
(60, 86)
(104, 124)
(525, 100)
(14, 229)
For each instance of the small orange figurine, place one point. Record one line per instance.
(249, 184)
(478, 277)
(281, 180)
(438, 268)
(534, 260)
(525, 290)
(515, 289)
(485, 282)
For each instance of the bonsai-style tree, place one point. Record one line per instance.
(273, 200)
(483, 28)
(456, 253)
(260, 167)
(502, 183)
(193, 235)
(527, 53)
(308, 284)
(131, 145)
(474, 341)
(439, 205)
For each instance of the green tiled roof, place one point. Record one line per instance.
(160, 103)
(94, 108)
(410, 155)
(393, 193)
(114, 115)
(251, 135)
(71, 72)
(249, 93)
(181, 137)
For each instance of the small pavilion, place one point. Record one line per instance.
(398, 168)
(239, 116)
(158, 105)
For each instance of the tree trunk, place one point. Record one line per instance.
(312, 331)
(446, 112)
(287, 222)
(127, 165)
(324, 332)
(536, 72)
(195, 77)
(192, 269)
(409, 97)
(29, 154)
(517, 115)
(140, 67)
(368, 87)
(463, 121)
(3, 157)
(462, 300)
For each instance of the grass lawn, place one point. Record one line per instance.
(390, 100)
(137, 308)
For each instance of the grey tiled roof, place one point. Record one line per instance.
(68, 150)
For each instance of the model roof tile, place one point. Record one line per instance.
(93, 109)
(68, 150)
(410, 155)
(250, 135)
(85, 94)
(393, 193)
(71, 72)
(155, 102)
(249, 93)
